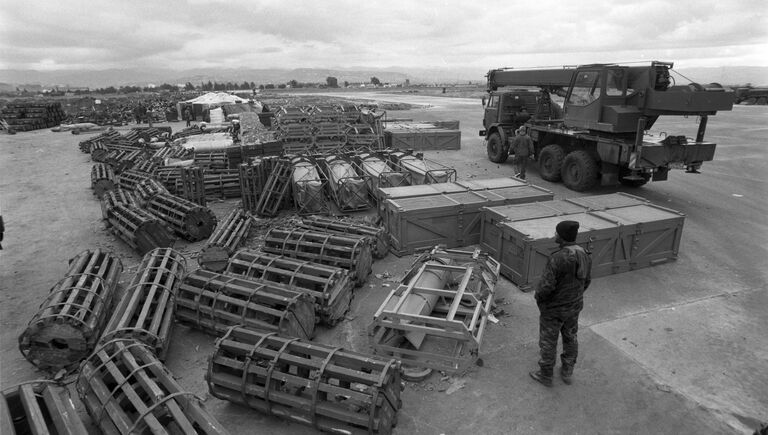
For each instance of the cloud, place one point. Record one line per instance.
(292, 34)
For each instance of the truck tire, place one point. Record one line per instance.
(551, 162)
(579, 171)
(497, 149)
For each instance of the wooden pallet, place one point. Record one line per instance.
(276, 189)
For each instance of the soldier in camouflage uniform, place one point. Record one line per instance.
(560, 297)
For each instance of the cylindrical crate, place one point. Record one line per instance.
(129, 179)
(138, 228)
(224, 241)
(102, 179)
(145, 313)
(127, 390)
(191, 221)
(39, 407)
(71, 319)
(326, 387)
(353, 254)
(213, 302)
(378, 235)
(329, 285)
(147, 189)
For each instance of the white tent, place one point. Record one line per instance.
(213, 100)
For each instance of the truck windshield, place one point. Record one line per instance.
(586, 89)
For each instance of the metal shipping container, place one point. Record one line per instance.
(622, 233)
(451, 220)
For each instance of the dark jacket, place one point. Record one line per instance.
(565, 278)
(522, 146)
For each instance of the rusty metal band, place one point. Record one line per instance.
(316, 387)
(247, 365)
(271, 369)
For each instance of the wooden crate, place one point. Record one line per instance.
(326, 387)
(213, 302)
(127, 390)
(619, 239)
(39, 407)
(451, 220)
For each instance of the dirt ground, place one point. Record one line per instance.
(678, 348)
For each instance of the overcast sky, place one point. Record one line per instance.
(94, 34)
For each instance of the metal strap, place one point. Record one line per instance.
(268, 380)
(246, 367)
(316, 387)
(152, 408)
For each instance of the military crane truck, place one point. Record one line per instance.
(601, 132)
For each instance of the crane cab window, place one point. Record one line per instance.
(614, 86)
(586, 88)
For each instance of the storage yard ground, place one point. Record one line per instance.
(678, 348)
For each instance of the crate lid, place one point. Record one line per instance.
(612, 200)
(643, 213)
(544, 228)
(419, 190)
(522, 192)
(422, 203)
(468, 197)
(535, 210)
(491, 183)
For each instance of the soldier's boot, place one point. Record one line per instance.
(541, 378)
(566, 374)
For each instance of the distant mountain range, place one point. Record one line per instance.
(9, 78)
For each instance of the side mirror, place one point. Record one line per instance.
(483, 101)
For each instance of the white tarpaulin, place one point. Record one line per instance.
(216, 99)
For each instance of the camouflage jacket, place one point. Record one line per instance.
(522, 146)
(564, 280)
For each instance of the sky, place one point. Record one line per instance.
(466, 34)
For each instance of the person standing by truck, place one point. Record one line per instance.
(522, 148)
(560, 298)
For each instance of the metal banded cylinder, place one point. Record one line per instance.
(353, 254)
(377, 235)
(192, 185)
(140, 229)
(127, 390)
(329, 388)
(145, 312)
(191, 221)
(99, 152)
(148, 166)
(39, 407)
(115, 197)
(224, 241)
(147, 189)
(129, 179)
(102, 179)
(330, 286)
(71, 319)
(213, 302)
(170, 176)
(223, 183)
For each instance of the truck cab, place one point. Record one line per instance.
(506, 111)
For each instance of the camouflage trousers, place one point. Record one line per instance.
(520, 163)
(551, 326)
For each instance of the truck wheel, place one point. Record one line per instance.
(579, 171)
(497, 151)
(551, 162)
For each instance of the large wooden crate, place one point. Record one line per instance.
(422, 138)
(326, 387)
(621, 232)
(451, 220)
